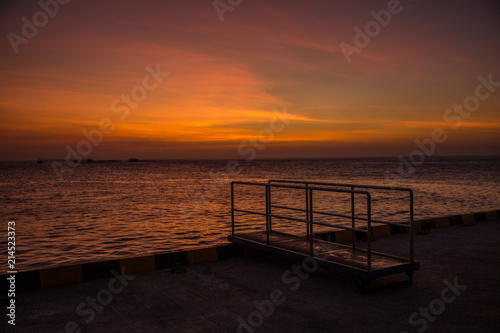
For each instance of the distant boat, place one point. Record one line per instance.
(40, 161)
(133, 160)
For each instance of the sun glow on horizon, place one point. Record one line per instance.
(228, 79)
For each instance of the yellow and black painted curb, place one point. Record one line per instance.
(87, 271)
(378, 230)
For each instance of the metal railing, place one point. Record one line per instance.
(310, 187)
(309, 210)
(353, 217)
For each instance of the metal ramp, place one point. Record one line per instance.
(362, 263)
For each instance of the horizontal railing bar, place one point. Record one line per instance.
(301, 220)
(337, 215)
(290, 208)
(342, 227)
(343, 185)
(326, 189)
(325, 213)
(248, 211)
(290, 218)
(318, 223)
(315, 212)
(345, 216)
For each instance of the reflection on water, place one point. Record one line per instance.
(105, 210)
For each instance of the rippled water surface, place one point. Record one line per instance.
(104, 210)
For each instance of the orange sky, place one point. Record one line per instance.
(226, 78)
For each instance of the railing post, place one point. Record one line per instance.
(270, 210)
(411, 226)
(369, 230)
(307, 211)
(353, 220)
(232, 208)
(311, 233)
(267, 214)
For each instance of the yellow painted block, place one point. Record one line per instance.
(202, 255)
(491, 215)
(468, 219)
(343, 236)
(58, 276)
(444, 222)
(381, 230)
(139, 264)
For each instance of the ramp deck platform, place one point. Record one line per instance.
(363, 264)
(333, 256)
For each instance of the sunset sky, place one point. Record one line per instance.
(226, 78)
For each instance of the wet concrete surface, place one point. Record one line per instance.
(457, 289)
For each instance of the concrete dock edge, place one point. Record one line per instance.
(75, 273)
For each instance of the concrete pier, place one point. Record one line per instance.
(457, 289)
